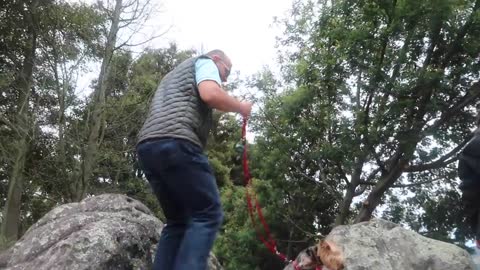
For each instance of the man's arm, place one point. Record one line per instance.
(215, 97)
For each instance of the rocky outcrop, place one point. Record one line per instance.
(382, 245)
(109, 231)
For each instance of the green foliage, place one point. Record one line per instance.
(52, 30)
(373, 88)
(70, 39)
(238, 245)
(369, 92)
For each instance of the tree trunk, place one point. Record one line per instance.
(354, 182)
(97, 117)
(61, 88)
(375, 197)
(11, 212)
(345, 207)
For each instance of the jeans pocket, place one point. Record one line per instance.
(160, 155)
(195, 155)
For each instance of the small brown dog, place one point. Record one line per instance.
(330, 255)
(325, 256)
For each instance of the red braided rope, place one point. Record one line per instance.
(268, 241)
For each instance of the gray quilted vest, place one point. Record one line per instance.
(177, 111)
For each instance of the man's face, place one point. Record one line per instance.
(224, 67)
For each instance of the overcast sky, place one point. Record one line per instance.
(241, 28)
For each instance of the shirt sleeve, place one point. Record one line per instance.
(205, 69)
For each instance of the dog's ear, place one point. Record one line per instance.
(331, 255)
(326, 245)
(323, 245)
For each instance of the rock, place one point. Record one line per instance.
(382, 245)
(213, 263)
(108, 231)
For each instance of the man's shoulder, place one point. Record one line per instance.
(205, 69)
(204, 63)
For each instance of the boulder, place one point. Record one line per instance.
(382, 245)
(108, 231)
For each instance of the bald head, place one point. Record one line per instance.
(220, 53)
(223, 63)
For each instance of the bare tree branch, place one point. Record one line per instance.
(380, 164)
(368, 183)
(307, 233)
(441, 162)
(472, 95)
(127, 5)
(137, 14)
(126, 44)
(360, 191)
(373, 174)
(343, 174)
(9, 124)
(418, 183)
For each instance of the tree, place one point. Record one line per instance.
(286, 159)
(43, 39)
(378, 97)
(96, 117)
(123, 15)
(27, 12)
(71, 40)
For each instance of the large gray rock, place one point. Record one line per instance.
(382, 245)
(109, 231)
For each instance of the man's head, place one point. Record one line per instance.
(223, 63)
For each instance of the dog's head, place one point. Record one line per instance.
(307, 259)
(326, 255)
(330, 255)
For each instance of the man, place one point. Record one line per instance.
(170, 151)
(469, 174)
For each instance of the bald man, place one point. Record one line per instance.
(170, 152)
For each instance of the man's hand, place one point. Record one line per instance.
(246, 108)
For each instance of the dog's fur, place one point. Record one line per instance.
(325, 254)
(330, 255)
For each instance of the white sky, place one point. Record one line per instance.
(243, 29)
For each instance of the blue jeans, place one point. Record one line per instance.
(183, 181)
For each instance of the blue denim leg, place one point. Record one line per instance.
(184, 184)
(174, 229)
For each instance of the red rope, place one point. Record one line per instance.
(268, 241)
